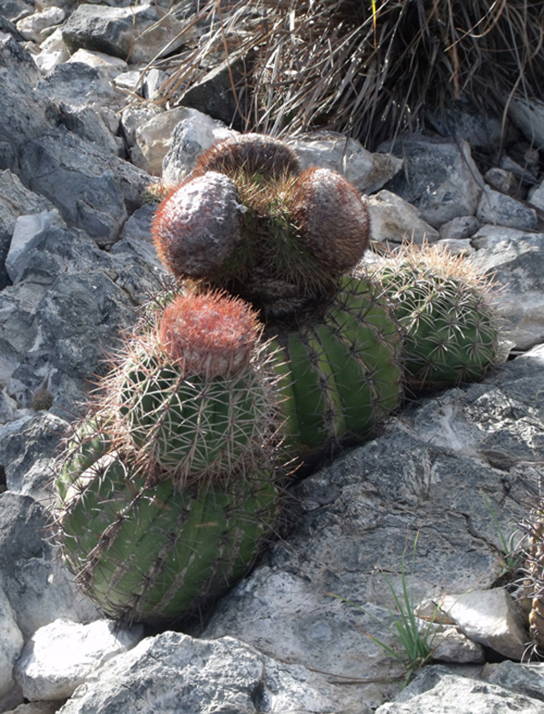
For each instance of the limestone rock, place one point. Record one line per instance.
(11, 644)
(498, 209)
(368, 172)
(440, 178)
(62, 655)
(177, 673)
(37, 26)
(393, 219)
(525, 678)
(490, 618)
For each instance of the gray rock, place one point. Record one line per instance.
(502, 210)
(368, 172)
(38, 26)
(460, 695)
(528, 115)
(22, 114)
(93, 125)
(450, 645)
(502, 180)
(536, 196)
(134, 116)
(11, 645)
(92, 190)
(459, 228)
(16, 9)
(62, 655)
(458, 246)
(515, 259)
(491, 618)
(425, 475)
(526, 679)
(109, 66)
(27, 454)
(440, 178)
(174, 672)
(37, 708)
(135, 32)
(38, 587)
(80, 85)
(15, 201)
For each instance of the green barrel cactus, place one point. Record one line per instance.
(340, 371)
(167, 489)
(148, 551)
(444, 306)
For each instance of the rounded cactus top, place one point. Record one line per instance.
(209, 333)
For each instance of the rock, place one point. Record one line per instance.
(80, 85)
(37, 586)
(393, 219)
(490, 618)
(15, 201)
(191, 136)
(53, 52)
(360, 517)
(136, 32)
(502, 180)
(458, 246)
(178, 672)
(526, 679)
(27, 455)
(450, 645)
(515, 259)
(11, 645)
(528, 115)
(465, 121)
(502, 210)
(106, 64)
(8, 28)
(368, 172)
(15, 10)
(441, 692)
(156, 136)
(62, 655)
(22, 114)
(459, 228)
(92, 190)
(97, 126)
(37, 708)
(38, 26)
(134, 116)
(536, 196)
(440, 178)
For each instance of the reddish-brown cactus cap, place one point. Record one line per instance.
(209, 333)
(332, 218)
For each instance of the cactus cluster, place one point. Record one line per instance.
(169, 486)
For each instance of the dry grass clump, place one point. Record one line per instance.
(366, 67)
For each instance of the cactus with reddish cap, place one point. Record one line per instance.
(167, 489)
(285, 238)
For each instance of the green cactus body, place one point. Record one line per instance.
(451, 330)
(192, 424)
(342, 371)
(151, 553)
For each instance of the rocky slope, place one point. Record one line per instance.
(79, 148)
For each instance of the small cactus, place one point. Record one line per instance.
(445, 309)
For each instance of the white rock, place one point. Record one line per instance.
(489, 617)
(53, 51)
(11, 644)
(394, 219)
(111, 66)
(498, 209)
(154, 138)
(60, 656)
(35, 27)
(367, 171)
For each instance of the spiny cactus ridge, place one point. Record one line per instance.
(444, 306)
(340, 372)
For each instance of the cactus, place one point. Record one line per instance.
(283, 239)
(147, 551)
(340, 371)
(167, 489)
(445, 308)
